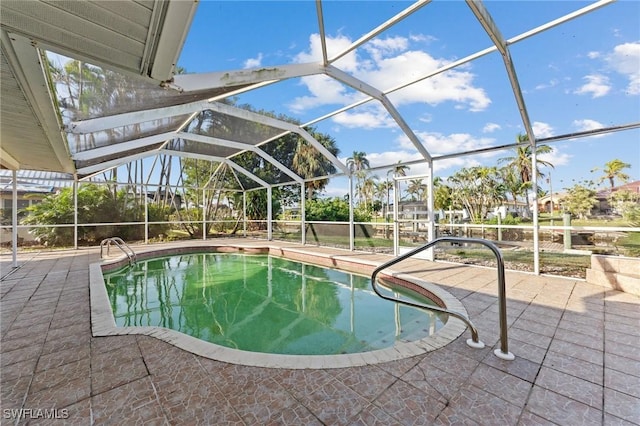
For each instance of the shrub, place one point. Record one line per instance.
(334, 210)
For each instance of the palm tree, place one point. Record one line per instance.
(613, 170)
(521, 162)
(416, 189)
(512, 183)
(357, 165)
(358, 161)
(308, 162)
(384, 188)
(368, 190)
(399, 170)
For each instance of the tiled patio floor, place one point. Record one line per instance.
(577, 350)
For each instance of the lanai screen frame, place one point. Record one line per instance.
(220, 85)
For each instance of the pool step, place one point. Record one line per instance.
(616, 272)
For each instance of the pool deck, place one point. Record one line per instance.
(577, 348)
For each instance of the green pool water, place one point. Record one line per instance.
(262, 303)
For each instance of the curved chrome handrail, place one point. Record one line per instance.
(503, 351)
(118, 242)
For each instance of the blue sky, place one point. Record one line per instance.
(581, 75)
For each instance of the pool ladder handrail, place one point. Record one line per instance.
(474, 342)
(118, 242)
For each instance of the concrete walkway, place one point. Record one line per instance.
(577, 350)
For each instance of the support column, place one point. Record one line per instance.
(566, 222)
(244, 213)
(431, 230)
(269, 214)
(303, 214)
(75, 212)
(351, 225)
(536, 227)
(146, 215)
(204, 215)
(396, 227)
(14, 218)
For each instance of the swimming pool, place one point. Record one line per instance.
(262, 303)
(334, 295)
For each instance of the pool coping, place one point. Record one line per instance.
(103, 322)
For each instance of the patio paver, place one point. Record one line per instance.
(577, 350)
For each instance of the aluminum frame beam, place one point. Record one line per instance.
(243, 146)
(381, 28)
(94, 153)
(218, 159)
(485, 19)
(193, 82)
(363, 87)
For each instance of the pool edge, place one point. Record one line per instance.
(103, 323)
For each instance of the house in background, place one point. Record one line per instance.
(556, 200)
(603, 207)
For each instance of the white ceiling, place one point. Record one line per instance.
(137, 37)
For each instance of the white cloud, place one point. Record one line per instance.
(597, 85)
(439, 144)
(542, 130)
(324, 91)
(377, 159)
(253, 62)
(379, 48)
(551, 83)
(426, 118)
(335, 45)
(587, 124)
(386, 63)
(454, 163)
(366, 118)
(452, 86)
(593, 55)
(625, 59)
(422, 38)
(490, 128)
(555, 157)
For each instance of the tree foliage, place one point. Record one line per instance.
(614, 170)
(518, 171)
(333, 210)
(580, 200)
(96, 204)
(441, 195)
(478, 189)
(627, 204)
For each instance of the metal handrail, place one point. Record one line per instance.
(118, 242)
(503, 351)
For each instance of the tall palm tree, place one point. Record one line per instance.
(512, 183)
(384, 189)
(368, 190)
(417, 189)
(357, 165)
(358, 161)
(521, 162)
(613, 170)
(308, 162)
(399, 170)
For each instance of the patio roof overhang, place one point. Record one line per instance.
(135, 38)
